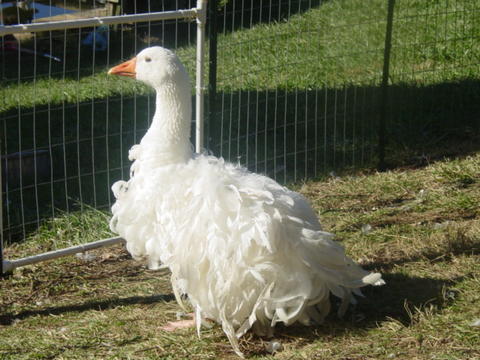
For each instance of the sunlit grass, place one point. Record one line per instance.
(339, 43)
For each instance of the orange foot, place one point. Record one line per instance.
(180, 324)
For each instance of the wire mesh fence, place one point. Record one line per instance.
(295, 91)
(285, 106)
(66, 128)
(435, 71)
(300, 89)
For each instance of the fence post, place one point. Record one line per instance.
(1, 207)
(212, 63)
(199, 121)
(382, 136)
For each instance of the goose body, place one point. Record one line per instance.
(248, 252)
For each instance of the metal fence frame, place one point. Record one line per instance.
(200, 14)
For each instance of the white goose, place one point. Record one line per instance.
(248, 252)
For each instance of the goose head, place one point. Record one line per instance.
(161, 69)
(155, 66)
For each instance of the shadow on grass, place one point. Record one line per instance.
(400, 299)
(100, 305)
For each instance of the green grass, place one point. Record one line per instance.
(55, 91)
(339, 43)
(423, 235)
(65, 230)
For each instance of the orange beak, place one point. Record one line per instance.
(126, 68)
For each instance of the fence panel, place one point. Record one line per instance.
(435, 78)
(300, 92)
(289, 103)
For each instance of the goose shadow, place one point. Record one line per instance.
(399, 300)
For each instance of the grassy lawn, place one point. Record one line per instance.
(339, 43)
(419, 227)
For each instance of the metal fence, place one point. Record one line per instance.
(374, 80)
(297, 89)
(307, 122)
(66, 128)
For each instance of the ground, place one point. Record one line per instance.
(419, 227)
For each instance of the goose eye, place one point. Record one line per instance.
(147, 59)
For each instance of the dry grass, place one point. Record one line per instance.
(419, 227)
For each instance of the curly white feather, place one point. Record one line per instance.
(243, 248)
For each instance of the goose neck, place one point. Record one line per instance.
(169, 133)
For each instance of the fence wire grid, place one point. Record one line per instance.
(295, 91)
